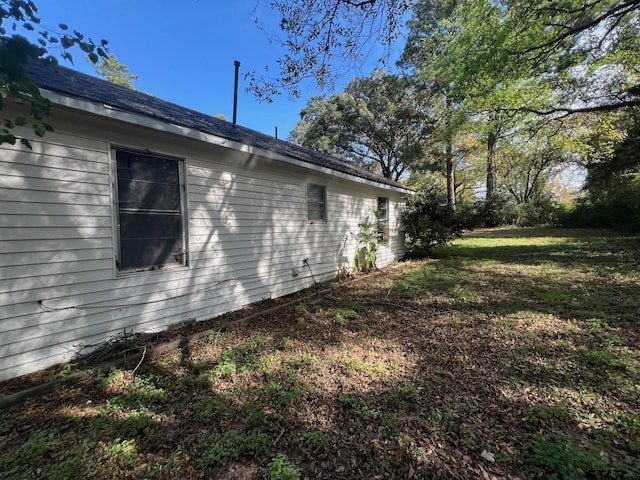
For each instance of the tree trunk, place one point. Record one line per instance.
(492, 139)
(451, 184)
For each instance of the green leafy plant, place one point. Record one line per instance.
(560, 456)
(404, 394)
(429, 222)
(281, 468)
(241, 358)
(339, 319)
(16, 52)
(302, 360)
(19, 461)
(315, 439)
(231, 445)
(368, 239)
(282, 392)
(226, 367)
(302, 310)
(284, 343)
(342, 315)
(358, 407)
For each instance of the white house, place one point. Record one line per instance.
(136, 214)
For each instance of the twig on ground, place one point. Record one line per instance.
(140, 362)
(275, 442)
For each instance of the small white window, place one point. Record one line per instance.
(316, 202)
(383, 218)
(150, 209)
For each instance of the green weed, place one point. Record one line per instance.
(282, 392)
(120, 456)
(211, 407)
(358, 407)
(239, 359)
(340, 317)
(597, 358)
(550, 413)
(401, 395)
(254, 416)
(302, 360)
(225, 368)
(281, 468)
(109, 376)
(232, 445)
(20, 462)
(314, 439)
(269, 365)
(558, 455)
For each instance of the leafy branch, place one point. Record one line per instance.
(16, 51)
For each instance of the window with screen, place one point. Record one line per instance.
(383, 218)
(316, 202)
(150, 209)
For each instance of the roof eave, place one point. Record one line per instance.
(110, 112)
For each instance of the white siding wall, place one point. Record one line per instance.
(248, 236)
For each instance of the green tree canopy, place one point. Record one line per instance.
(575, 56)
(113, 71)
(379, 122)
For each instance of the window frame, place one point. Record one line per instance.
(313, 203)
(184, 217)
(382, 227)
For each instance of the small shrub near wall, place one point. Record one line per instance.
(429, 223)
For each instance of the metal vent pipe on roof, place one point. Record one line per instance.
(235, 92)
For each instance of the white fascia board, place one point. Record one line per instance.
(108, 111)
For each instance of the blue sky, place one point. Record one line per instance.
(183, 51)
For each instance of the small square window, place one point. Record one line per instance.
(316, 202)
(383, 218)
(150, 209)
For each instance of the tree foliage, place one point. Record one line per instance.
(379, 122)
(428, 221)
(21, 16)
(463, 46)
(491, 67)
(323, 37)
(578, 56)
(608, 149)
(529, 159)
(585, 50)
(115, 72)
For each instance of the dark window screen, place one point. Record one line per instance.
(316, 202)
(150, 211)
(383, 215)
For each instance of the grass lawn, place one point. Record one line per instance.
(514, 353)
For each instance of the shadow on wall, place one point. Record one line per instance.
(248, 236)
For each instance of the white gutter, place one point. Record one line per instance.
(138, 119)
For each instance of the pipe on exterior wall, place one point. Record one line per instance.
(235, 92)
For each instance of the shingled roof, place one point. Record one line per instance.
(69, 82)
